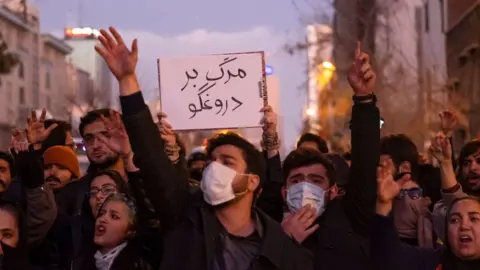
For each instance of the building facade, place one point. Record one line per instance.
(463, 63)
(84, 56)
(40, 78)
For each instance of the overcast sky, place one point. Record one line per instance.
(194, 27)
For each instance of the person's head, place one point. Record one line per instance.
(196, 163)
(10, 226)
(402, 151)
(6, 170)
(61, 135)
(116, 221)
(469, 166)
(312, 141)
(308, 169)
(91, 125)
(60, 167)
(463, 228)
(104, 184)
(235, 173)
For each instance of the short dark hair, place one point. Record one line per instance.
(306, 157)
(10, 160)
(401, 148)
(310, 137)
(58, 135)
(253, 158)
(468, 149)
(199, 156)
(91, 117)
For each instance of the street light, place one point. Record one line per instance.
(328, 65)
(310, 112)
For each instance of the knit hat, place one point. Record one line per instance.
(63, 156)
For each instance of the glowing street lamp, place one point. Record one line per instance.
(328, 65)
(310, 112)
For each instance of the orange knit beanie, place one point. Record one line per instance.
(63, 156)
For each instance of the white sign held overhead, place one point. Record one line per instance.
(213, 92)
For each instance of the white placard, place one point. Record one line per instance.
(212, 92)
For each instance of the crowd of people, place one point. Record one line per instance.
(143, 204)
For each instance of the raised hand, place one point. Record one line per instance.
(269, 120)
(361, 76)
(448, 121)
(441, 149)
(19, 142)
(299, 225)
(166, 132)
(387, 187)
(119, 58)
(36, 132)
(117, 138)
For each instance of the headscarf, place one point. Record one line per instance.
(449, 260)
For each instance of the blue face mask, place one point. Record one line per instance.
(304, 193)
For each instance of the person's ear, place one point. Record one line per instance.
(253, 182)
(333, 192)
(284, 193)
(405, 167)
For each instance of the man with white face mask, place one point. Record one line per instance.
(334, 228)
(218, 228)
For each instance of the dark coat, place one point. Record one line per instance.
(342, 240)
(189, 224)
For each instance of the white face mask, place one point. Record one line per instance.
(216, 184)
(304, 193)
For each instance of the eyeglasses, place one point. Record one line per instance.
(106, 190)
(413, 193)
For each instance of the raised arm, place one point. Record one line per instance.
(387, 250)
(165, 187)
(359, 200)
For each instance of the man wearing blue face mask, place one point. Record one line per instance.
(334, 228)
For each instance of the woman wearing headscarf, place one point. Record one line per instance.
(462, 247)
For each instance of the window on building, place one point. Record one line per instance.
(47, 80)
(21, 96)
(21, 71)
(427, 18)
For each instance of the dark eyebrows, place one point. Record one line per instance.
(474, 213)
(225, 156)
(455, 214)
(296, 175)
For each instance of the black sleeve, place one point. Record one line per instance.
(270, 200)
(361, 189)
(165, 187)
(30, 166)
(388, 252)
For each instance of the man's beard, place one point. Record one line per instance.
(3, 186)
(106, 164)
(472, 188)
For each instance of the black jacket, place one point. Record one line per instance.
(190, 227)
(342, 240)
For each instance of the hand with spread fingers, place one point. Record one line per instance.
(19, 142)
(299, 225)
(166, 132)
(36, 131)
(441, 149)
(361, 76)
(387, 187)
(117, 138)
(119, 58)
